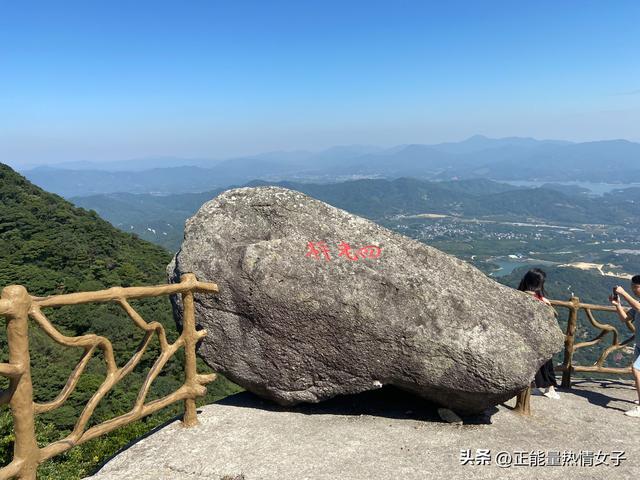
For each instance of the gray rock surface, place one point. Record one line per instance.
(294, 328)
(369, 439)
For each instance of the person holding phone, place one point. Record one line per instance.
(533, 284)
(631, 315)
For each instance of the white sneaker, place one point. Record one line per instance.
(634, 412)
(536, 391)
(552, 394)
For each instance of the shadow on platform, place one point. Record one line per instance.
(584, 388)
(388, 402)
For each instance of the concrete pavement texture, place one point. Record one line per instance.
(390, 434)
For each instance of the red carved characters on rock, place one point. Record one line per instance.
(318, 250)
(370, 251)
(345, 251)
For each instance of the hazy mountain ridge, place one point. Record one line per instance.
(515, 158)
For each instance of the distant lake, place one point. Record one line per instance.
(508, 265)
(596, 188)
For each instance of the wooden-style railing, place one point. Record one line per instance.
(18, 306)
(574, 306)
(570, 346)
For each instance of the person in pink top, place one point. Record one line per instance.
(533, 284)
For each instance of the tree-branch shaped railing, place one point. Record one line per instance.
(570, 346)
(18, 306)
(574, 306)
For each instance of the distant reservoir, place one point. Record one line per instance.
(508, 265)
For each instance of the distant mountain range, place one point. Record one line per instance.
(515, 158)
(161, 218)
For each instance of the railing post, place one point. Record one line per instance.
(190, 418)
(569, 340)
(25, 452)
(523, 401)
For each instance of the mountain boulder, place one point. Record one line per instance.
(316, 302)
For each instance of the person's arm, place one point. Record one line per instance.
(622, 313)
(635, 304)
(547, 302)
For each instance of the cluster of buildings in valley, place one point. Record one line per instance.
(442, 230)
(611, 251)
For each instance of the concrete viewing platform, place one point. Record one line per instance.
(388, 434)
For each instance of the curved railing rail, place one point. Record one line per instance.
(18, 306)
(570, 346)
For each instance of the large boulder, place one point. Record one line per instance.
(301, 317)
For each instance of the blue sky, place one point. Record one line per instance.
(110, 80)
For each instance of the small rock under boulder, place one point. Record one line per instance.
(316, 302)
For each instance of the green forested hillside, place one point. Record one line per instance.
(50, 246)
(156, 218)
